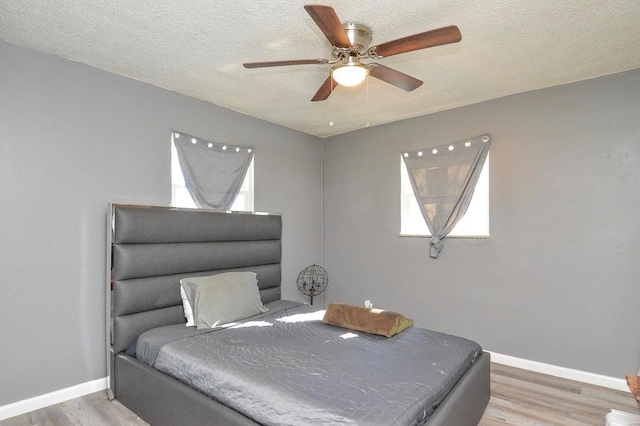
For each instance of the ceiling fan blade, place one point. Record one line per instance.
(325, 90)
(394, 77)
(327, 19)
(437, 37)
(283, 63)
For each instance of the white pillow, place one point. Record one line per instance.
(222, 298)
(186, 305)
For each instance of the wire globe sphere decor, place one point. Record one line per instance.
(313, 280)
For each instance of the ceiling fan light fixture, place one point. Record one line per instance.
(350, 43)
(349, 74)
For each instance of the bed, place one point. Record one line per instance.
(152, 248)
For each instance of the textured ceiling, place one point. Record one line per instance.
(197, 48)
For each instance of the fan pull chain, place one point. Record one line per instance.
(331, 100)
(367, 124)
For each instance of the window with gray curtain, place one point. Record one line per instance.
(213, 171)
(443, 180)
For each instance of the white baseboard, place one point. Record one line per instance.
(56, 397)
(565, 373)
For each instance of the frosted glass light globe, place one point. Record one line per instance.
(350, 75)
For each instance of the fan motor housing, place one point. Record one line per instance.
(360, 35)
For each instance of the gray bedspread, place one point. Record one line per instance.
(285, 367)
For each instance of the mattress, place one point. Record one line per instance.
(286, 367)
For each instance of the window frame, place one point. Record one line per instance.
(480, 206)
(179, 188)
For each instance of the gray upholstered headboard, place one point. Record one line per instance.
(152, 248)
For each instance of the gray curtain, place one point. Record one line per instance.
(443, 180)
(213, 172)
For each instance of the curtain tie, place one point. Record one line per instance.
(436, 246)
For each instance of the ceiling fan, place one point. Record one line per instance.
(350, 45)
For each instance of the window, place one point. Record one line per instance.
(474, 224)
(180, 196)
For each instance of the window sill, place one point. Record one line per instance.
(469, 237)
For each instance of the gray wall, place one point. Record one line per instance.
(559, 280)
(73, 139)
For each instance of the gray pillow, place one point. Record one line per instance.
(223, 298)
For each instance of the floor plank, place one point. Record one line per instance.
(521, 397)
(518, 398)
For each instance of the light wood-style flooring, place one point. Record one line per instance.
(523, 398)
(518, 397)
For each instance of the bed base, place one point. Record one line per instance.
(161, 400)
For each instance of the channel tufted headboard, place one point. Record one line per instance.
(151, 248)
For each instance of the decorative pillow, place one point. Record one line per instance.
(186, 306)
(223, 298)
(375, 321)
